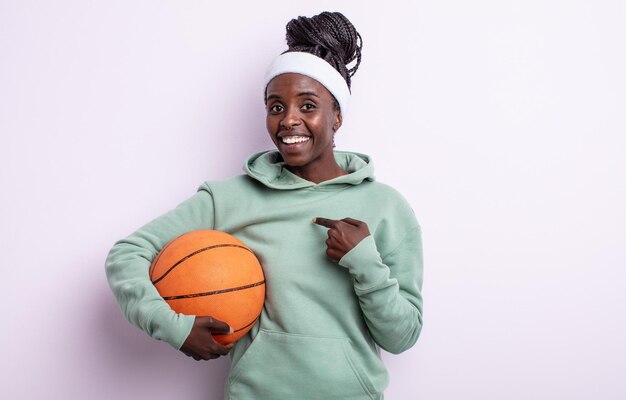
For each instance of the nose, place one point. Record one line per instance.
(291, 118)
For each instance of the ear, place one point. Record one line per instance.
(338, 122)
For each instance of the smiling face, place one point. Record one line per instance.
(302, 118)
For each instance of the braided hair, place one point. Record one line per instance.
(330, 36)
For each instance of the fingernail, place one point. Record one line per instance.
(314, 219)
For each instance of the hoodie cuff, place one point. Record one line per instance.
(365, 264)
(171, 327)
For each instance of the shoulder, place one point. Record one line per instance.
(382, 190)
(396, 219)
(385, 196)
(234, 184)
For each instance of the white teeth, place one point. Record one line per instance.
(295, 139)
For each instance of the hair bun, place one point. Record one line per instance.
(330, 36)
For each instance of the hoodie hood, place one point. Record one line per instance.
(269, 168)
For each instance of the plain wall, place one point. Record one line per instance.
(502, 122)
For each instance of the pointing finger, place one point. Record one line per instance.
(352, 221)
(328, 223)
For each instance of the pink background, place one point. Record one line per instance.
(502, 122)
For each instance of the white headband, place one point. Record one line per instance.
(313, 67)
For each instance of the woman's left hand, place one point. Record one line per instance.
(343, 235)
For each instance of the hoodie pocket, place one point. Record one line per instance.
(281, 365)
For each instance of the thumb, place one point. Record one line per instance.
(217, 326)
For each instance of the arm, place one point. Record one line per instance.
(129, 260)
(388, 287)
(389, 290)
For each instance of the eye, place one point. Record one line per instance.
(276, 108)
(308, 106)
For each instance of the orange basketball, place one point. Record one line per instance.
(211, 273)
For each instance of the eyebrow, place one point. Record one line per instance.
(308, 94)
(275, 96)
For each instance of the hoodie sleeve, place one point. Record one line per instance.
(389, 289)
(128, 262)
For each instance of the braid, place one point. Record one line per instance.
(330, 36)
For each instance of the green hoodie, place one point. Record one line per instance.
(319, 334)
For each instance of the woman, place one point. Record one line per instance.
(341, 253)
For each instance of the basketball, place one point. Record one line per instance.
(211, 273)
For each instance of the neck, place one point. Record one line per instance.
(317, 173)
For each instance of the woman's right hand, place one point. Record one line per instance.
(200, 343)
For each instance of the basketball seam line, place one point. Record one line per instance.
(189, 296)
(158, 256)
(237, 330)
(154, 282)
